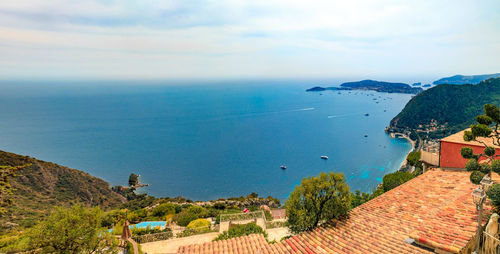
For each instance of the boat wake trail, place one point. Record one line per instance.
(279, 112)
(353, 114)
(257, 114)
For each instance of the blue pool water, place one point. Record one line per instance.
(204, 140)
(150, 224)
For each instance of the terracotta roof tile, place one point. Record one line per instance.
(459, 138)
(435, 209)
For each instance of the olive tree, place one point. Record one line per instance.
(73, 230)
(317, 199)
(487, 127)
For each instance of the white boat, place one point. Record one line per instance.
(324, 157)
(283, 167)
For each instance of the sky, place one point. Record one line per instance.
(178, 39)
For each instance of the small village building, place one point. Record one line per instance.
(450, 156)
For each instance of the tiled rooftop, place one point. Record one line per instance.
(459, 138)
(435, 209)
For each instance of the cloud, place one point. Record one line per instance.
(260, 38)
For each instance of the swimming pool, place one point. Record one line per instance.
(151, 224)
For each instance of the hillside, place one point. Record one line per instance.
(44, 185)
(373, 85)
(381, 86)
(462, 79)
(451, 106)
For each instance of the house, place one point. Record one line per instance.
(450, 156)
(433, 212)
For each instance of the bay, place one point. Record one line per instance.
(204, 139)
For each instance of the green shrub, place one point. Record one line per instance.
(476, 177)
(359, 198)
(467, 152)
(183, 218)
(269, 216)
(130, 248)
(413, 159)
(113, 217)
(14, 243)
(196, 227)
(195, 209)
(177, 208)
(220, 206)
(490, 151)
(163, 209)
(494, 195)
(241, 230)
(485, 168)
(199, 223)
(393, 180)
(472, 165)
(495, 166)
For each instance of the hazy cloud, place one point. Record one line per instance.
(259, 38)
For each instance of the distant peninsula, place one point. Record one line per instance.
(446, 108)
(373, 85)
(462, 79)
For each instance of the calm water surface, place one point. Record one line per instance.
(204, 141)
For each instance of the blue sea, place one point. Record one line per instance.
(204, 140)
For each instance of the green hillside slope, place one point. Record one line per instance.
(453, 106)
(44, 185)
(462, 79)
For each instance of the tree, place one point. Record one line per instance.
(393, 180)
(73, 230)
(487, 127)
(317, 199)
(358, 198)
(6, 172)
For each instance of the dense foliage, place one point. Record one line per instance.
(494, 195)
(483, 129)
(393, 180)
(72, 230)
(413, 159)
(317, 199)
(163, 209)
(359, 198)
(199, 224)
(452, 104)
(241, 230)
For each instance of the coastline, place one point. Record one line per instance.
(401, 135)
